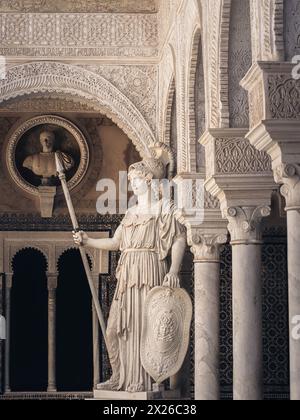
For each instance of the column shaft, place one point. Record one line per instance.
(96, 349)
(7, 387)
(247, 322)
(51, 340)
(293, 220)
(207, 330)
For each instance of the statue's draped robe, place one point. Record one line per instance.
(146, 241)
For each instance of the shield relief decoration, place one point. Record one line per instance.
(166, 331)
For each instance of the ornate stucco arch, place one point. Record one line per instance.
(196, 39)
(61, 252)
(216, 19)
(168, 111)
(17, 250)
(66, 79)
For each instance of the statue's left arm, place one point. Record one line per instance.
(177, 253)
(172, 241)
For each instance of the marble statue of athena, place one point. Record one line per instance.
(149, 232)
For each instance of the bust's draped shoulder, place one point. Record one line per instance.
(28, 162)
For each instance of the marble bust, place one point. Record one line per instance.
(43, 164)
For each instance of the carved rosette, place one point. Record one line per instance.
(244, 223)
(289, 176)
(206, 247)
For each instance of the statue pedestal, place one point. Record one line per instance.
(136, 396)
(46, 196)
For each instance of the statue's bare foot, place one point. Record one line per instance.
(136, 388)
(111, 385)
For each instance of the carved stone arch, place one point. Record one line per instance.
(192, 150)
(200, 9)
(216, 18)
(239, 62)
(267, 21)
(60, 78)
(19, 249)
(74, 248)
(168, 111)
(224, 62)
(167, 71)
(211, 20)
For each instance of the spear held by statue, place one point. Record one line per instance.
(61, 174)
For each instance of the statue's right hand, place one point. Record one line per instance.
(80, 238)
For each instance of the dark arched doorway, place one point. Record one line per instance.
(29, 328)
(74, 358)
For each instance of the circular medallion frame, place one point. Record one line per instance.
(16, 135)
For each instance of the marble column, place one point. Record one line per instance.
(8, 286)
(52, 286)
(2, 342)
(96, 339)
(246, 240)
(207, 314)
(290, 176)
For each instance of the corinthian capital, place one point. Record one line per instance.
(244, 223)
(206, 247)
(289, 176)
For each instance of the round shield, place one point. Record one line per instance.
(167, 320)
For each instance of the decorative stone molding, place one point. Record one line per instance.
(210, 202)
(167, 87)
(241, 174)
(75, 35)
(78, 6)
(228, 152)
(192, 99)
(53, 77)
(244, 223)
(185, 45)
(212, 17)
(239, 62)
(267, 30)
(237, 155)
(291, 28)
(224, 62)
(289, 176)
(278, 138)
(137, 82)
(55, 103)
(256, 105)
(284, 97)
(16, 134)
(273, 92)
(166, 121)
